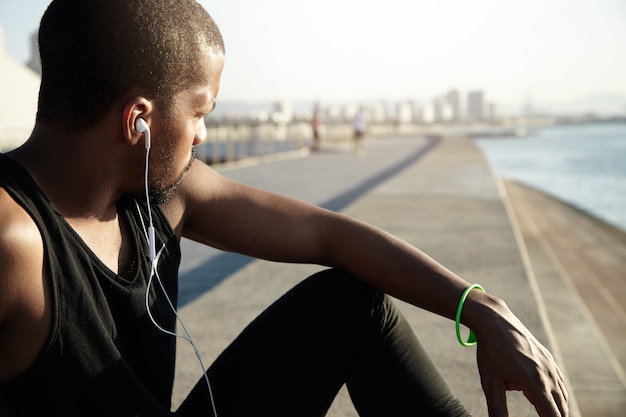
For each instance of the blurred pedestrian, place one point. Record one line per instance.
(360, 124)
(316, 122)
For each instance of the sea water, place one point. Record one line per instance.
(583, 165)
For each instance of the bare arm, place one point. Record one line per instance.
(261, 224)
(24, 314)
(243, 219)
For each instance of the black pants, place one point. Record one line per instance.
(329, 330)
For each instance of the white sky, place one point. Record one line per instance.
(332, 50)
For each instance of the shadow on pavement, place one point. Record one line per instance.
(193, 284)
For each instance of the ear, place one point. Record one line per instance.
(135, 108)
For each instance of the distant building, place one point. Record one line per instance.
(283, 112)
(349, 111)
(405, 111)
(444, 111)
(494, 112)
(379, 112)
(34, 62)
(454, 99)
(475, 105)
(529, 109)
(427, 114)
(333, 113)
(19, 90)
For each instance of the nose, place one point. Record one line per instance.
(201, 133)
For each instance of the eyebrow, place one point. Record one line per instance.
(204, 111)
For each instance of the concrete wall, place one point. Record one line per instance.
(19, 88)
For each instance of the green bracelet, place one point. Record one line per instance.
(471, 340)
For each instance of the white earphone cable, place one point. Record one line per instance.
(154, 257)
(186, 336)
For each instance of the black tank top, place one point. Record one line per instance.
(103, 357)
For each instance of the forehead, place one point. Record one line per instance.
(207, 75)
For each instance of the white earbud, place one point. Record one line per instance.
(141, 126)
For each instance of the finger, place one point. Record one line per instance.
(564, 391)
(561, 399)
(495, 394)
(560, 373)
(547, 405)
(561, 376)
(560, 395)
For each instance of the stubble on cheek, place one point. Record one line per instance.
(162, 193)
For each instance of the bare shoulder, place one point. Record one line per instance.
(25, 314)
(202, 186)
(228, 215)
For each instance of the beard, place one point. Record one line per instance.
(162, 193)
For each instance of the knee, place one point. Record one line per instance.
(340, 291)
(340, 286)
(365, 315)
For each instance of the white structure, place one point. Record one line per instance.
(444, 111)
(349, 111)
(427, 114)
(379, 112)
(454, 99)
(34, 63)
(494, 112)
(283, 112)
(405, 111)
(19, 89)
(475, 105)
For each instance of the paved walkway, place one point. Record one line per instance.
(579, 263)
(441, 197)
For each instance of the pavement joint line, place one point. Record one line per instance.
(605, 294)
(567, 280)
(574, 409)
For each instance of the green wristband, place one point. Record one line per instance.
(471, 340)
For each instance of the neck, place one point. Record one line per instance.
(77, 172)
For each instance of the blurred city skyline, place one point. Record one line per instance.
(553, 56)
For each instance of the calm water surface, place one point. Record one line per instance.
(584, 165)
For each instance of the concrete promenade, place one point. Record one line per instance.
(442, 197)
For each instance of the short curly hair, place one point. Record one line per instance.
(94, 52)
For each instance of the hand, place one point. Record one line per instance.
(511, 358)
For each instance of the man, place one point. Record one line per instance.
(359, 127)
(87, 264)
